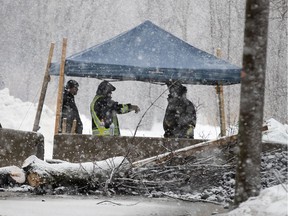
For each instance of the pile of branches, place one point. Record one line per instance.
(206, 179)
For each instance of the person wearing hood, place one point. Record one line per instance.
(69, 108)
(180, 116)
(104, 111)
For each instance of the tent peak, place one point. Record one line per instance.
(149, 53)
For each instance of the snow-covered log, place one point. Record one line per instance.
(64, 173)
(11, 175)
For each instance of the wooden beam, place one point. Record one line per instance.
(186, 151)
(46, 80)
(60, 87)
(220, 92)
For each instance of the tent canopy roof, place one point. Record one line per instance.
(150, 54)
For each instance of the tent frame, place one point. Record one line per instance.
(219, 91)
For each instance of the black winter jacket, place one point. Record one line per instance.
(70, 111)
(180, 115)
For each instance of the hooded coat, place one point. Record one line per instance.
(70, 112)
(104, 111)
(180, 116)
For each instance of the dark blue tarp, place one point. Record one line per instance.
(149, 53)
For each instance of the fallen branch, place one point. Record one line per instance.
(192, 199)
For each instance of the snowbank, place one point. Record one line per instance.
(276, 133)
(271, 201)
(19, 115)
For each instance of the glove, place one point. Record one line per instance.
(190, 132)
(135, 108)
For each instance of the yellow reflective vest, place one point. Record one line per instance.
(100, 129)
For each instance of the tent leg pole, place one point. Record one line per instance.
(220, 92)
(219, 89)
(60, 86)
(46, 80)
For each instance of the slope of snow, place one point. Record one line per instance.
(272, 201)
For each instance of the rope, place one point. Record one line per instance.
(37, 93)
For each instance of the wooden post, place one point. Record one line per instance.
(73, 129)
(219, 90)
(64, 125)
(43, 90)
(60, 87)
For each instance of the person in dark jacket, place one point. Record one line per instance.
(104, 111)
(180, 116)
(69, 108)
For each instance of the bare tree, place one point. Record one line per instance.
(248, 182)
(276, 80)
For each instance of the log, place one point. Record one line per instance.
(11, 175)
(61, 173)
(185, 152)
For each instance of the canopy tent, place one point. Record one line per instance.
(149, 53)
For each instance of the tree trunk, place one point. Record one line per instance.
(11, 175)
(61, 173)
(248, 182)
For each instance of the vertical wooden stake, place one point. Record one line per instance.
(60, 87)
(43, 90)
(73, 129)
(219, 90)
(64, 125)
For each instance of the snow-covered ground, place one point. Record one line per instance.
(15, 114)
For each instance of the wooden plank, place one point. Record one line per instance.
(60, 87)
(73, 129)
(46, 80)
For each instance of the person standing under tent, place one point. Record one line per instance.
(180, 116)
(69, 108)
(104, 111)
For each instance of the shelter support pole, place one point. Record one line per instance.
(46, 80)
(220, 92)
(60, 87)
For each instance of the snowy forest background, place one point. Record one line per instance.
(28, 28)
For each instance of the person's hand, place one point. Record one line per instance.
(135, 108)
